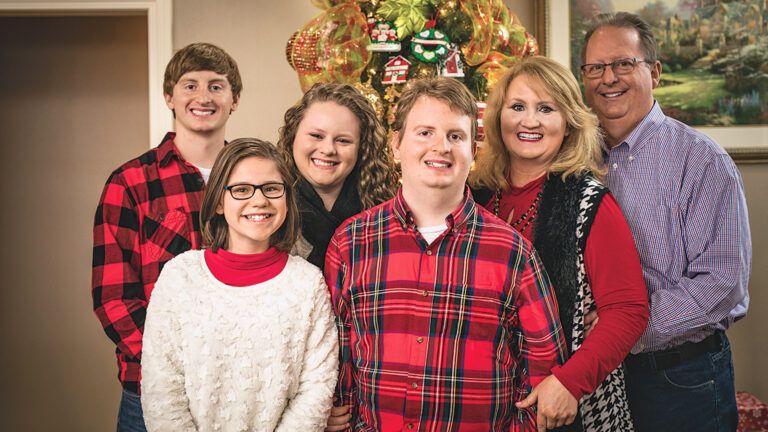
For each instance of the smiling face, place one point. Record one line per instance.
(326, 146)
(252, 222)
(620, 101)
(532, 125)
(435, 149)
(202, 102)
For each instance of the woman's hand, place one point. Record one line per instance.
(556, 405)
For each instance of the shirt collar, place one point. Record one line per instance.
(647, 127)
(167, 150)
(457, 219)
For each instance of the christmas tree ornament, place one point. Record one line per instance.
(430, 45)
(396, 70)
(479, 45)
(384, 37)
(480, 129)
(451, 65)
(331, 47)
(372, 96)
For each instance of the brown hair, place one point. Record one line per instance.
(580, 152)
(377, 178)
(214, 226)
(624, 20)
(449, 90)
(202, 57)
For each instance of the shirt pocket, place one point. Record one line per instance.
(166, 234)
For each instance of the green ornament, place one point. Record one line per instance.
(430, 45)
(409, 16)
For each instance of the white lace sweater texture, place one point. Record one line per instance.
(222, 358)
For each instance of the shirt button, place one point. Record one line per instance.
(414, 385)
(419, 339)
(410, 425)
(631, 158)
(615, 165)
(424, 293)
(429, 252)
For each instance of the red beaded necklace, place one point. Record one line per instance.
(527, 218)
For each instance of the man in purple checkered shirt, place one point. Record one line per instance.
(684, 201)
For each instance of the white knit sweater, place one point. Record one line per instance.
(222, 358)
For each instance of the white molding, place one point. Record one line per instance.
(558, 31)
(159, 36)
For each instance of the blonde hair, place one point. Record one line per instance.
(377, 181)
(581, 151)
(214, 227)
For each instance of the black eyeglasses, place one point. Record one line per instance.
(244, 191)
(620, 67)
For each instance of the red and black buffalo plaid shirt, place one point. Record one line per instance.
(148, 214)
(440, 337)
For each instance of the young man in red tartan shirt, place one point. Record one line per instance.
(149, 210)
(446, 317)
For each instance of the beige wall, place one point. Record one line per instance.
(255, 35)
(749, 335)
(73, 107)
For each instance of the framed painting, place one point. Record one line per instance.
(714, 56)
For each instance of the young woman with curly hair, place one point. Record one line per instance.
(338, 148)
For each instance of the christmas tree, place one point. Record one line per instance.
(378, 45)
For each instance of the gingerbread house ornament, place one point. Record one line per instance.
(396, 70)
(451, 65)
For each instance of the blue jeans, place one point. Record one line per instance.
(697, 395)
(130, 418)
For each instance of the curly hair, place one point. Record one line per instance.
(375, 167)
(581, 151)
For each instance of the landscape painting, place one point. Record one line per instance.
(714, 55)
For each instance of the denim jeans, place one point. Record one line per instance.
(130, 418)
(697, 395)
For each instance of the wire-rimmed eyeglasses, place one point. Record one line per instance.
(244, 191)
(622, 66)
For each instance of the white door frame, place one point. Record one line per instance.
(160, 42)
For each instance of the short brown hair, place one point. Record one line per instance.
(375, 167)
(581, 151)
(202, 57)
(624, 20)
(214, 226)
(449, 90)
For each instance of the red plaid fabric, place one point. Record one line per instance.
(440, 337)
(148, 214)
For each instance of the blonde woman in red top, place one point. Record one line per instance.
(539, 170)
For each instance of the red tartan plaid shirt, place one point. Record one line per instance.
(440, 337)
(148, 214)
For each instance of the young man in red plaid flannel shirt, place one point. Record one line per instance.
(446, 317)
(149, 209)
